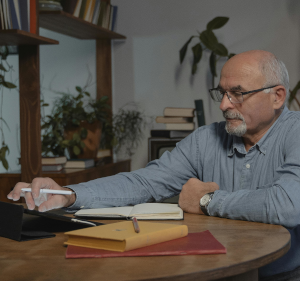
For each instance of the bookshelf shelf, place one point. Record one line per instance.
(64, 23)
(20, 37)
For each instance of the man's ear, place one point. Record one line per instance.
(279, 97)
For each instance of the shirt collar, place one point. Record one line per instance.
(238, 144)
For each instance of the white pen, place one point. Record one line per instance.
(52, 191)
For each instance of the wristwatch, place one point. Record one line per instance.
(204, 201)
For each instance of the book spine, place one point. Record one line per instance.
(156, 237)
(69, 5)
(200, 112)
(114, 19)
(15, 24)
(82, 9)
(23, 4)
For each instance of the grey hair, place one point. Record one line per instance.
(275, 73)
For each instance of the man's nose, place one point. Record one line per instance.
(226, 103)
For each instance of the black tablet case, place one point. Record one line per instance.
(21, 224)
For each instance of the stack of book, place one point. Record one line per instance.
(178, 122)
(18, 14)
(53, 164)
(80, 163)
(94, 11)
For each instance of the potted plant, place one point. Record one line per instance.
(74, 124)
(208, 41)
(127, 131)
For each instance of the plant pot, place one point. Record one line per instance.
(92, 141)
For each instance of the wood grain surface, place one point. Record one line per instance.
(249, 246)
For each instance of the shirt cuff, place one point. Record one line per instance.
(81, 196)
(214, 207)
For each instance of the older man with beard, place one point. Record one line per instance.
(246, 168)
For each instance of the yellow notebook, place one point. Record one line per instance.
(121, 236)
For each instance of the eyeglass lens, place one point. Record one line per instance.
(234, 97)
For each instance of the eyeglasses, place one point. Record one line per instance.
(234, 96)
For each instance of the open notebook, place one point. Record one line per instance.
(145, 211)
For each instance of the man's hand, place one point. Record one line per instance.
(192, 192)
(54, 201)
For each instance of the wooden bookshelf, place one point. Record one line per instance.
(29, 84)
(64, 23)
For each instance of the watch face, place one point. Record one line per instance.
(204, 200)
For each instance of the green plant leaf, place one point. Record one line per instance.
(221, 50)
(78, 89)
(183, 50)
(197, 51)
(76, 150)
(231, 55)
(2, 68)
(209, 39)
(87, 94)
(82, 144)
(4, 163)
(45, 104)
(294, 92)
(8, 85)
(217, 22)
(212, 64)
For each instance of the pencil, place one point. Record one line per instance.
(135, 225)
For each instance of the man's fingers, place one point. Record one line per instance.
(16, 192)
(54, 201)
(29, 201)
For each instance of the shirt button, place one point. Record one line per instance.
(248, 166)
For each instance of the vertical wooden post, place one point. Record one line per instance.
(30, 121)
(103, 69)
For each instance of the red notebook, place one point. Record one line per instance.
(199, 243)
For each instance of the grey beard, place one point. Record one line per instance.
(232, 130)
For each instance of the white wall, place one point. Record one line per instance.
(146, 65)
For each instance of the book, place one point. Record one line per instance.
(200, 112)
(79, 163)
(77, 8)
(170, 133)
(87, 10)
(198, 243)
(52, 168)
(23, 7)
(179, 111)
(163, 119)
(122, 237)
(96, 12)
(16, 6)
(102, 12)
(14, 18)
(145, 211)
(114, 17)
(54, 160)
(182, 126)
(69, 5)
(103, 153)
(82, 9)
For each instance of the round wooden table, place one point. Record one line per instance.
(249, 246)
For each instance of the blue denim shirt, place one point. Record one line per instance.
(261, 185)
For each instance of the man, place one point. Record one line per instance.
(246, 168)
